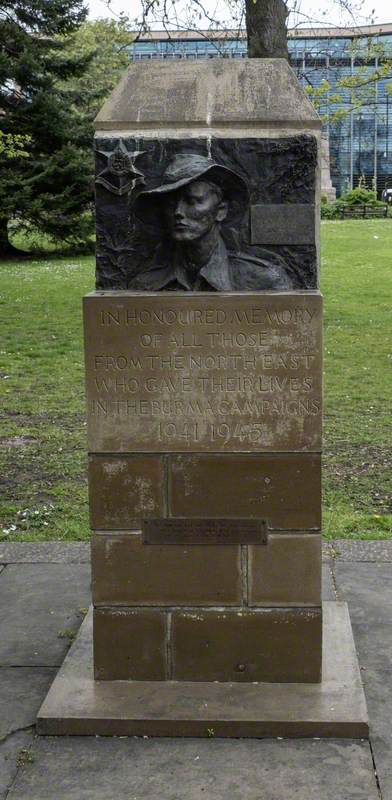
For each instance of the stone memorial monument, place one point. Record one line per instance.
(327, 188)
(204, 397)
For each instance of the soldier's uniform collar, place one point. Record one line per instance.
(215, 272)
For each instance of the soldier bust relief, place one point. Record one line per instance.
(195, 197)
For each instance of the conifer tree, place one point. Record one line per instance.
(49, 185)
(104, 44)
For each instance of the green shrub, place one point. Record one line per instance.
(331, 210)
(367, 197)
(328, 211)
(360, 197)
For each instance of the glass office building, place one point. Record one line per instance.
(360, 139)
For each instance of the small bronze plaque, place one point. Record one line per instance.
(181, 530)
(288, 224)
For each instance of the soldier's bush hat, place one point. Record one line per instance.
(185, 168)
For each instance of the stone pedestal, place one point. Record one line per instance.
(204, 407)
(204, 420)
(326, 184)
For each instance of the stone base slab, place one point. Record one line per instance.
(228, 645)
(78, 705)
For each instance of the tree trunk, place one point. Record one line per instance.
(7, 250)
(266, 28)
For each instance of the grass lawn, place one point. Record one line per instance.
(357, 285)
(43, 443)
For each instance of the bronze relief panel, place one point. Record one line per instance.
(206, 214)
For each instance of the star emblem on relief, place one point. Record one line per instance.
(119, 175)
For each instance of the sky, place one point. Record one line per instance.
(316, 12)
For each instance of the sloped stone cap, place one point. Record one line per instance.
(207, 93)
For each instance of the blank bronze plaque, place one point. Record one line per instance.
(287, 224)
(205, 531)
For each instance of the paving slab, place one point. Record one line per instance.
(37, 602)
(359, 550)
(328, 591)
(373, 642)
(367, 587)
(172, 769)
(10, 749)
(22, 690)
(175, 769)
(56, 552)
(368, 590)
(378, 688)
(44, 552)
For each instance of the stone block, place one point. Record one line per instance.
(124, 490)
(76, 705)
(207, 93)
(287, 572)
(129, 644)
(127, 572)
(280, 645)
(183, 372)
(284, 488)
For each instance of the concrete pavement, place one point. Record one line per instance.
(44, 589)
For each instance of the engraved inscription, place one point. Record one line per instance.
(204, 531)
(176, 373)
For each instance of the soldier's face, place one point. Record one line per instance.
(193, 211)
